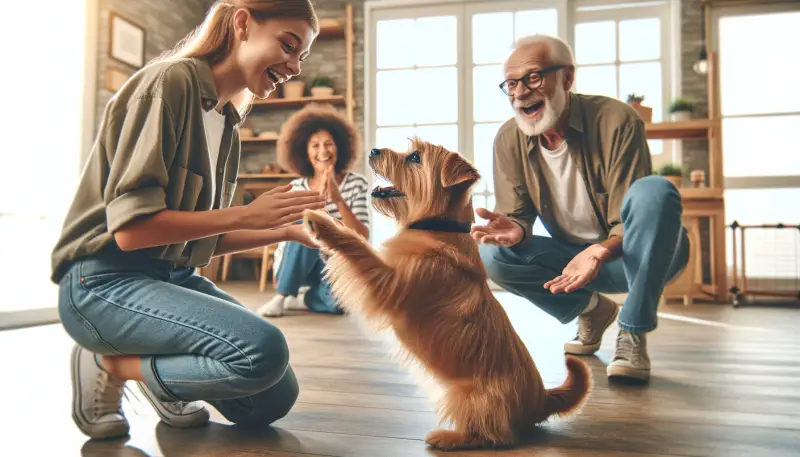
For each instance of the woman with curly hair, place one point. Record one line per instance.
(320, 145)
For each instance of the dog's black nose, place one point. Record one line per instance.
(374, 152)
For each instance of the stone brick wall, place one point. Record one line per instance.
(328, 57)
(165, 23)
(695, 86)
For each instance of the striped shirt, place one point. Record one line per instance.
(355, 191)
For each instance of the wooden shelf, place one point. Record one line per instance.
(258, 140)
(683, 130)
(297, 102)
(701, 193)
(268, 176)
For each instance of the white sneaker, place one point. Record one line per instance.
(96, 398)
(297, 303)
(179, 414)
(630, 361)
(273, 308)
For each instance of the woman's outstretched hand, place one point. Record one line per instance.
(280, 206)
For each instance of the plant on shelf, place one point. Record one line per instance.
(645, 112)
(681, 109)
(672, 172)
(322, 86)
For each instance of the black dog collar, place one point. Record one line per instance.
(441, 225)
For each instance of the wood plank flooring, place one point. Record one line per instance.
(726, 382)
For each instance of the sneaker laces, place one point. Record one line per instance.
(627, 347)
(108, 393)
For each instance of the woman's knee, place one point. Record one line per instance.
(266, 356)
(265, 407)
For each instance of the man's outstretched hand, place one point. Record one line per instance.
(580, 270)
(500, 230)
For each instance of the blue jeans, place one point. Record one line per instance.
(655, 249)
(302, 266)
(195, 341)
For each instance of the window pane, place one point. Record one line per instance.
(382, 228)
(392, 49)
(773, 151)
(595, 42)
(644, 79)
(600, 80)
(435, 41)
(444, 135)
(394, 104)
(488, 101)
(433, 95)
(769, 253)
(483, 153)
(401, 94)
(492, 37)
(479, 201)
(535, 21)
(639, 39)
(750, 45)
(396, 138)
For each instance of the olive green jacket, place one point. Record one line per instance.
(150, 154)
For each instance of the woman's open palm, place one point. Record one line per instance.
(281, 206)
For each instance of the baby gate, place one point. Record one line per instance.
(772, 255)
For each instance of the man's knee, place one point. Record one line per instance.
(653, 194)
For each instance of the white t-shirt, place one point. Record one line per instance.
(572, 207)
(214, 123)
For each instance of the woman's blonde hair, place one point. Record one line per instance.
(213, 39)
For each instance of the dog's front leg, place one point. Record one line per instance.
(354, 268)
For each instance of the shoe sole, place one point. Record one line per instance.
(195, 419)
(590, 349)
(625, 373)
(95, 431)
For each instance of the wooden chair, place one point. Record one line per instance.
(265, 254)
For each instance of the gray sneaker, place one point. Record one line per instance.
(179, 414)
(630, 361)
(96, 398)
(592, 326)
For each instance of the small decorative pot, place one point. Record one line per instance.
(679, 116)
(675, 180)
(293, 89)
(321, 91)
(645, 112)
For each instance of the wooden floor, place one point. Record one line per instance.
(726, 382)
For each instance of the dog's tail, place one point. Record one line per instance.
(569, 397)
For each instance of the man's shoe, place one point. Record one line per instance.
(179, 414)
(592, 326)
(630, 361)
(96, 398)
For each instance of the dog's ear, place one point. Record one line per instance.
(456, 170)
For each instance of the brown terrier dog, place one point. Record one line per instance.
(430, 289)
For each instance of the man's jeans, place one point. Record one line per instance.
(302, 266)
(196, 341)
(655, 250)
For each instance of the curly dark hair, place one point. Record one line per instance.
(292, 144)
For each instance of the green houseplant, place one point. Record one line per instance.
(672, 172)
(322, 86)
(645, 112)
(681, 109)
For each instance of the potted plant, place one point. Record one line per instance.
(672, 172)
(322, 86)
(681, 109)
(645, 112)
(293, 89)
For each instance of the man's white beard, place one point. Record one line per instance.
(553, 107)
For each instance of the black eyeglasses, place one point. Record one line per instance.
(532, 80)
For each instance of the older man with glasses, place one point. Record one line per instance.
(582, 165)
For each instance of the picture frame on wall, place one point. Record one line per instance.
(126, 40)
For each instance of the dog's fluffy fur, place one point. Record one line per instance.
(429, 288)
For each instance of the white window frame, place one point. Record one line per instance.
(568, 12)
(717, 13)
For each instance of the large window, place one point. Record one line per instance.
(41, 140)
(433, 69)
(761, 133)
(625, 49)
